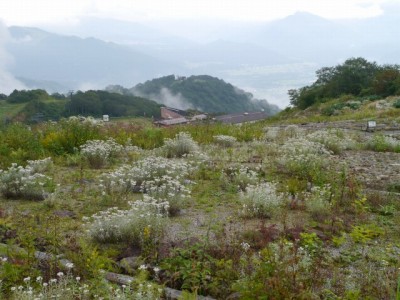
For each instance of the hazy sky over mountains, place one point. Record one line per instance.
(7, 81)
(262, 46)
(39, 12)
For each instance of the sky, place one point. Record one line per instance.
(64, 12)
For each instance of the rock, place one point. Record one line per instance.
(171, 294)
(43, 256)
(234, 296)
(119, 278)
(130, 264)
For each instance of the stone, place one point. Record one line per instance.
(234, 296)
(119, 278)
(130, 264)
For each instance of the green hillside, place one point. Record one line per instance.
(205, 93)
(37, 105)
(356, 78)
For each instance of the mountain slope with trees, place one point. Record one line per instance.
(203, 92)
(356, 77)
(38, 105)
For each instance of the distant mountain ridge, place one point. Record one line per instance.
(205, 93)
(77, 62)
(266, 58)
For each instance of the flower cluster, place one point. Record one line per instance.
(303, 146)
(98, 152)
(182, 144)
(20, 182)
(143, 220)
(240, 176)
(303, 158)
(67, 287)
(293, 131)
(85, 120)
(225, 140)
(380, 142)
(40, 165)
(167, 189)
(261, 200)
(271, 133)
(319, 200)
(334, 140)
(130, 178)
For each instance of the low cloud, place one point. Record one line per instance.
(7, 81)
(166, 97)
(86, 86)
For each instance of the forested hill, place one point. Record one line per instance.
(38, 105)
(355, 78)
(205, 93)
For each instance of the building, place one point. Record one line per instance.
(172, 113)
(170, 122)
(172, 116)
(241, 117)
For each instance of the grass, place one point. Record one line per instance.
(352, 248)
(9, 110)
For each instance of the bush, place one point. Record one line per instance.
(282, 270)
(304, 159)
(382, 143)
(131, 178)
(396, 104)
(166, 189)
(318, 202)
(99, 153)
(40, 165)
(67, 135)
(25, 183)
(182, 144)
(261, 200)
(239, 177)
(225, 140)
(334, 140)
(140, 225)
(18, 143)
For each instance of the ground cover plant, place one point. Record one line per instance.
(260, 211)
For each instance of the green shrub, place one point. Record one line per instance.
(25, 183)
(318, 202)
(140, 225)
(261, 200)
(67, 135)
(19, 143)
(225, 140)
(99, 153)
(238, 178)
(364, 233)
(182, 144)
(382, 143)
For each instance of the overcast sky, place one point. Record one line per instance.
(64, 12)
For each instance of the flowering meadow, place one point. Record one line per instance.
(268, 210)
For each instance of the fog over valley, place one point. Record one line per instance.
(263, 57)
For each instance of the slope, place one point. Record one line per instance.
(203, 92)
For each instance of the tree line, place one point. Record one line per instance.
(90, 103)
(356, 76)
